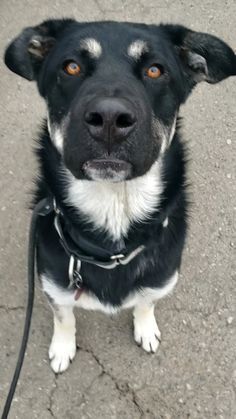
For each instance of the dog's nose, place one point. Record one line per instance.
(110, 119)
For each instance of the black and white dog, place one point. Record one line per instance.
(112, 161)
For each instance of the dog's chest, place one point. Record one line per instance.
(114, 206)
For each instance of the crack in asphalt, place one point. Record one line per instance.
(13, 308)
(123, 390)
(100, 8)
(55, 388)
(51, 396)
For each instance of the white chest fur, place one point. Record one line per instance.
(88, 301)
(113, 206)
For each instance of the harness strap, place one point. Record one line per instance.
(111, 263)
(77, 256)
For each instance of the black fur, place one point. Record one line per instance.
(163, 245)
(185, 57)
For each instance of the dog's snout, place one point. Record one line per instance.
(110, 119)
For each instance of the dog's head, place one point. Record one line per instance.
(113, 90)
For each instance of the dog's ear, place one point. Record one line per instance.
(204, 56)
(26, 53)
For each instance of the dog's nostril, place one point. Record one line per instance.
(94, 118)
(125, 120)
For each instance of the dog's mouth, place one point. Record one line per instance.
(113, 170)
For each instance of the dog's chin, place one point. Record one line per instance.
(112, 170)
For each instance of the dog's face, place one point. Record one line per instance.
(113, 90)
(112, 103)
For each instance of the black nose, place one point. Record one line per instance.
(110, 119)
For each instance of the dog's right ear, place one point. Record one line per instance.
(26, 53)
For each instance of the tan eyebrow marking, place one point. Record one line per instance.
(137, 48)
(92, 46)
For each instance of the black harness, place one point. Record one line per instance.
(81, 249)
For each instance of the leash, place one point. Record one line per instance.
(41, 209)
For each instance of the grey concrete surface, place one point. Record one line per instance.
(193, 375)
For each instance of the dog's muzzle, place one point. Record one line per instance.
(107, 169)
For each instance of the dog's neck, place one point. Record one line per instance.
(112, 207)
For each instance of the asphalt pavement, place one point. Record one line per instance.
(193, 374)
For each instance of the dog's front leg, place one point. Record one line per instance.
(63, 345)
(146, 332)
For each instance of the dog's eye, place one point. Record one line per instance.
(154, 71)
(72, 68)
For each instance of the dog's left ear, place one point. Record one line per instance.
(204, 56)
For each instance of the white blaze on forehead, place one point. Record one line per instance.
(92, 46)
(137, 48)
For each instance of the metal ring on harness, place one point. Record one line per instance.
(74, 272)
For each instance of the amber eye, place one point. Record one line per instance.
(72, 68)
(154, 71)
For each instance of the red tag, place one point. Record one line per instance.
(78, 293)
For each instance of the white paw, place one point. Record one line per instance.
(146, 333)
(61, 353)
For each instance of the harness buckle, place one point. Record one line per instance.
(124, 260)
(75, 277)
(55, 207)
(117, 259)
